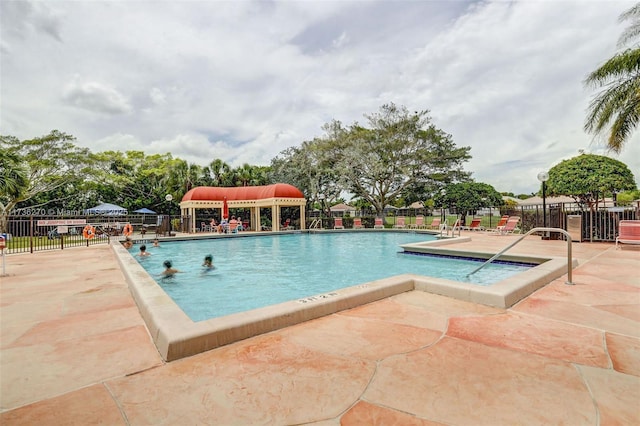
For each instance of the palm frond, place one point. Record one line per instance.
(605, 104)
(620, 65)
(624, 124)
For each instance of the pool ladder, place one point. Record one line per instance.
(316, 224)
(562, 231)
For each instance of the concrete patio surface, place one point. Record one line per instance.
(75, 351)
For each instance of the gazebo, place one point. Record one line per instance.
(252, 197)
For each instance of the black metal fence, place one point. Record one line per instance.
(590, 225)
(585, 226)
(36, 233)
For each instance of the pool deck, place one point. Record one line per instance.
(75, 350)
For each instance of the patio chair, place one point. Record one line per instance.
(399, 222)
(287, 225)
(419, 223)
(628, 232)
(511, 227)
(475, 225)
(234, 226)
(379, 224)
(501, 224)
(337, 223)
(357, 223)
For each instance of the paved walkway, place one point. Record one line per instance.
(75, 351)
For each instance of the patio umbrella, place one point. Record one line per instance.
(144, 211)
(225, 209)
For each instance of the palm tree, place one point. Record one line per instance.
(219, 169)
(619, 104)
(14, 182)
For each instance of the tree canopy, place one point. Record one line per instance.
(400, 154)
(588, 177)
(44, 165)
(52, 172)
(468, 197)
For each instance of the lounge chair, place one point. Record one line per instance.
(628, 232)
(379, 223)
(337, 223)
(437, 224)
(419, 223)
(511, 227)
(357, 223)
(501, 224)
(399, 222)
(475, 225)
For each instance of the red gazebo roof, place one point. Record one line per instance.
(217, 193)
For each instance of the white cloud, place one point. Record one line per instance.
(96, 97)
(242, 81)
(157, 96)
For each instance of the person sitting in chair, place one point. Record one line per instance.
(233, 224)
(222, 228)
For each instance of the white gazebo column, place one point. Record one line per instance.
(193, 219)
(303, 221)
(255, 218)
(275, 217)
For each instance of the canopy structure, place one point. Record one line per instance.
(107, 209)
(144, 211)
(252, 197)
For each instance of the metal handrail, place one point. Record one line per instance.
(562, 231)
(315, 224)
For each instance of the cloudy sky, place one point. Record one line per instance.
(244, 80)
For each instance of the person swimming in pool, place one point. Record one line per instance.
(143, 251)
(127, 243)
(169, 270)
(208, 262)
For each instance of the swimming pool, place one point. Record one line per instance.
(177, 336)
(253, 272)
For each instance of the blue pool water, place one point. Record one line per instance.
(253, 272)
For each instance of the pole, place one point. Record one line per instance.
(2, 245)
(544, 205)
(544, 210)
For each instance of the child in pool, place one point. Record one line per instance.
(208, 262)
(143, 251)
(169, 270)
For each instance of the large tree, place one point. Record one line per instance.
(309, 168)
(49, 163)
(134, 180)
(468, 197)
(616, 109)
(400, 151)
(399, 155)
(588, 178)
